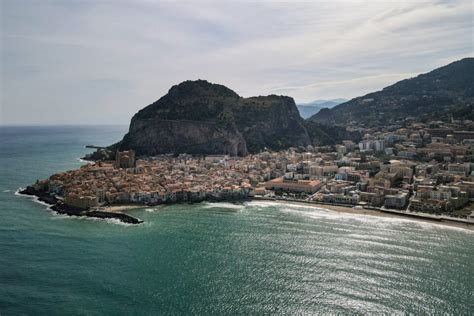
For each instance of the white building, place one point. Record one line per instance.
(379, 145)
(366, 145)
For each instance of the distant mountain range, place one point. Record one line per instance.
(309, 109)
(199, 117)
(444, 92)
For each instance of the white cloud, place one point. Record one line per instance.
(71, 62)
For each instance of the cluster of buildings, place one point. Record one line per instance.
(424, 167)
(420, 167)
(156, 180)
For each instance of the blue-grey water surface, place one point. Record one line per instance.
(219, 258)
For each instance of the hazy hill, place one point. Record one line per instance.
(308, 109)
(443, 92)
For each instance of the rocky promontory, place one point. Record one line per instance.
(61, 208)
(199, 117)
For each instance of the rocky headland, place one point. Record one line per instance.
(198, 117)
(61, 208)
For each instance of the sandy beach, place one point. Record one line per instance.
(120, 208)
(362, 211)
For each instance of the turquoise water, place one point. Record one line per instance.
(212, 258)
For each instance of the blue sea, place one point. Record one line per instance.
(251, 258)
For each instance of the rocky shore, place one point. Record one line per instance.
(58, 206)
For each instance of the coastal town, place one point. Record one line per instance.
(409, 166)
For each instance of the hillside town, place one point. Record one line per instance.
(419, 167)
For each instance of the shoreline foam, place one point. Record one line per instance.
(85, 161)
(375, 213)
(33, 198)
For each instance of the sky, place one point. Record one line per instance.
(99, 62)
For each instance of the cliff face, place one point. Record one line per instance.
(156, 136)
(272, 122)
(198, 117)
